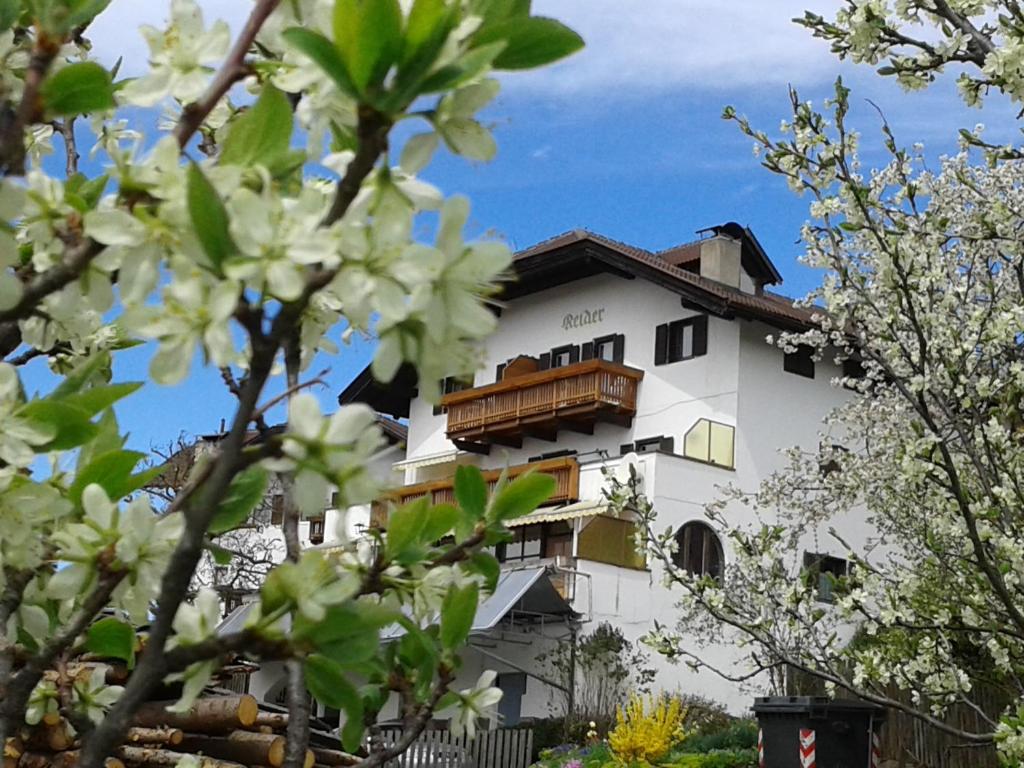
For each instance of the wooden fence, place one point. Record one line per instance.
(504, 748)
(909, 743)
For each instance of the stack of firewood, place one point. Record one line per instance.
(223, 731)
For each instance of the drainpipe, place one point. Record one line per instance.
(571, 708)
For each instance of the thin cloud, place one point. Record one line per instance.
(642, 45)
(659, 45)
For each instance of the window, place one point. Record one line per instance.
(536, 541)
(335, 499)
(452, 384)
(611, 348)
(698, 550)
(853, 369)
(565, 355)
(277, 509)
(552, 455)
(824, 570)
(800, 362)
(711, 442)
(316, 530)
(681, 340)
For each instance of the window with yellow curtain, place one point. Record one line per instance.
(712, 442)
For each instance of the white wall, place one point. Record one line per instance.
(671, 397)
(740, 381)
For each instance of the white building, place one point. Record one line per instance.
(604, 351)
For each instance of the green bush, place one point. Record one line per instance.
(719, 758)
(737, 735)
(594, 756)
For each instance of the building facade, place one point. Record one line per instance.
(607, 355)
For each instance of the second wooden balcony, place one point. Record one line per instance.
(541, 403)
(565, 470)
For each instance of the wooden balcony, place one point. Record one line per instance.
(539, 404)
(565, 470)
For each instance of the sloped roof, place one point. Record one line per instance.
(569, 251)
(580, 253)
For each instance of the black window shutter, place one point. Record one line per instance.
(619, 348)
(545, 362)
(588, 351)
(661, 344)
(700, 335)
(574, 354)
(499, 372)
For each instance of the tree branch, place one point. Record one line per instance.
(232, 70)
(12, 136)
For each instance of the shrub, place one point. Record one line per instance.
(737, 735)
(719, 758)
(647, 729)
(594, 756)
(704, 715)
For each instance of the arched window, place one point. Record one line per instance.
(699, 551)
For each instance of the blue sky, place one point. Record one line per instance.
(625, 139)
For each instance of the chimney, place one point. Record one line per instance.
(720, 260)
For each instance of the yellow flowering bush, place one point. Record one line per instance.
(647, 728)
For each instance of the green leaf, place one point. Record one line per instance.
(9, 12)
(521, 496)
(425, 31)
(488, 566)
(353, 652)
(107, 439)
(405, 528)
(531, 42)
(457, 613)
(345, 621)
(471, 490)
(220, 555)
(70, 423)
(112, 471)
(78, 89)
(262, 134)
(465, 68)
(326, 680)
(352, 734)
(97, 399)
(441, 519)
(322, 51)
(244, 493)
(111, 639)
(84, 11)
(368, 35)
(209, 217)
(84, 373)
(88, 191)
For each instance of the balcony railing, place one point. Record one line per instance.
(539, 404)
(565, 470)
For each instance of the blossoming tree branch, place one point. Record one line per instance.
(268, 215)
(924, 289)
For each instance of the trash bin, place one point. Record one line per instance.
(817, 732)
